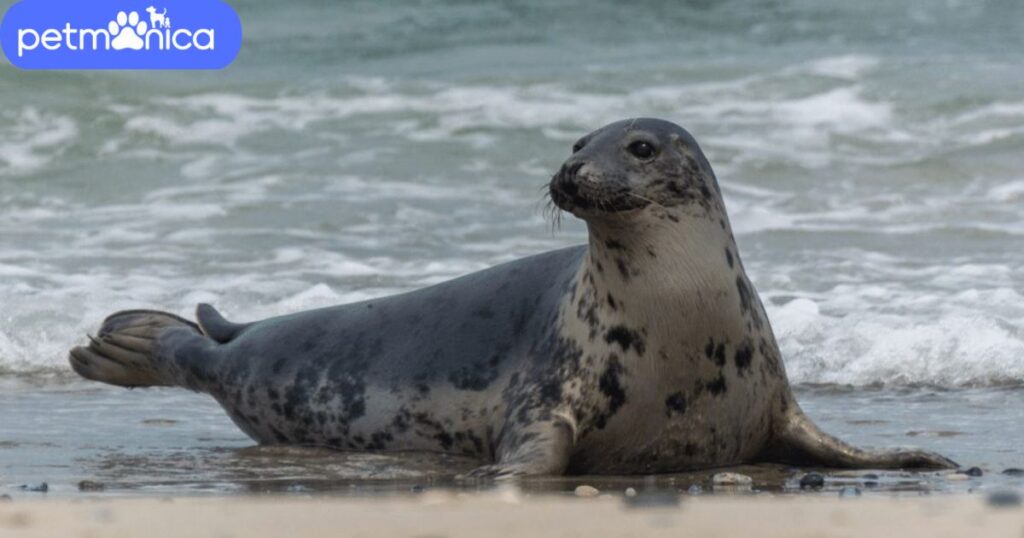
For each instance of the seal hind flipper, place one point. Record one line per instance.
(213, 324)
(132, 347)
(800, 442)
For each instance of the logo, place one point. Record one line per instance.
(120, 34)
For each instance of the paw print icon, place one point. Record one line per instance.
(127, 31)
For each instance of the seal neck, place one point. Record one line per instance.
(667, 276)
(662, 252)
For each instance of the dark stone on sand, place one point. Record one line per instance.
(416, 489)
(41, 488)
(812, 481)
(1013, 471)
(973, 471)
(1003, 499)
(89, 485)
(870, 480)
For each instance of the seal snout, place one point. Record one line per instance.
(581, 188)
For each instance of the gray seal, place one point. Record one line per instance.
(647, 350)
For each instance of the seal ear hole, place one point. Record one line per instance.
(642, 149)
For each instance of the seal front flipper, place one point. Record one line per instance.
(213, 324)
(800, 442)
(538, 448)
(144, 348)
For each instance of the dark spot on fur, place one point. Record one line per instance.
(747, 300)
(715, 352)
(610, 386)
(626, 338)
(744, 292)
(728, 257)
(744, 355)
(675, 403)
(717, 385)
(623, 270)
(445, 439)
(478, 375)
(611, 302)
(614, 245)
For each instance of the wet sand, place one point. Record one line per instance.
(507, 512)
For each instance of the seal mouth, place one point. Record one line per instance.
(583, 193)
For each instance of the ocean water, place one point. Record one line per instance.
(870, 154)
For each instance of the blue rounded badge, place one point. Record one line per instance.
(121, 34)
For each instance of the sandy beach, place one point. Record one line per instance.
(507, 513)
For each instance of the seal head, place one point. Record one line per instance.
(632, 164)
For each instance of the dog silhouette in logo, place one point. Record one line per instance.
(158, 20)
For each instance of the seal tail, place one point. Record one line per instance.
(139, 348)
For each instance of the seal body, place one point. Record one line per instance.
(645, 350)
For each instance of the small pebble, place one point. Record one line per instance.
(5, 498)
(870, 480)
(630, 492)
(586, 491)
(416, 489)
(1003, 499)
(812, 481)
(849, 491)
(695, 489)
(973, 471)
(731, 479)
(89, 485)
(1013, 471)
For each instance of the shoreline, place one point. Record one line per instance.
(507, 512)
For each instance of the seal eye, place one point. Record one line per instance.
(641, 149)
(577, 146)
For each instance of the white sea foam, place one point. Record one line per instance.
(29, 139)
(870, 348)
(851, 67)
